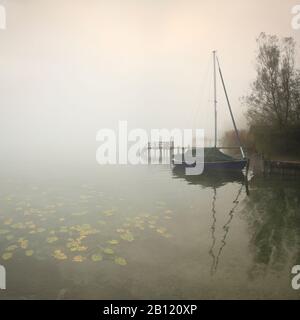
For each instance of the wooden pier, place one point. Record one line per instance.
(281, 167)
(262, 166)
(165, 150)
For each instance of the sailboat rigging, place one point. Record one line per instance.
(214, 158)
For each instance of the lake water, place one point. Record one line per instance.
(146, 232)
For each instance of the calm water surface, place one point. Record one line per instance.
(147, 233)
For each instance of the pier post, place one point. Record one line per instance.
(171, 151)
(149, 152)
(160, 151)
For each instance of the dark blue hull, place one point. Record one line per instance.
(234, 165)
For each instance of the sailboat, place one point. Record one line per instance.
(214, 158)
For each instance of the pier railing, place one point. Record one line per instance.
(163, 150)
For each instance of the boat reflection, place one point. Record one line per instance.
(216, 181)
(226, 227)
(210, 179)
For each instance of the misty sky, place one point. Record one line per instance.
(71, 67)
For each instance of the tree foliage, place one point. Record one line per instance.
(274, 99)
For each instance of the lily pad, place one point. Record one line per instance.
(59, 255)
(128, 236)
(78, 258)
(108, 251)
(23, 243)
(7, 256)
(96, 257)
(113, 242)
(161, 230)
(51, 239)
(12, 248)
(8, 221)
(29, 253)
(78, 248)
(120, 261)
(108, 213)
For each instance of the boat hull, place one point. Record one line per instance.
(235, 165)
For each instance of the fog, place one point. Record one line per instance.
(71, 67)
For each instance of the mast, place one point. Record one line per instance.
(230, 110)
(215, 97)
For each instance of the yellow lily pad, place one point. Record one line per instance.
(11, 248)
(108, 251)
(51, 239)
(63, 229)
(59, 255)
(108, 213)
(113, 242)
(128, 236)
(78, 258)
(96, 257)
(7, 256)
(78, 248)
(29, 253)
(161, 230)
(8, 221)
(23, 243)
(120, 261)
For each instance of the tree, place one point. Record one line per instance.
(275, 94)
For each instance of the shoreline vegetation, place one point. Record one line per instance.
(273, 105)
